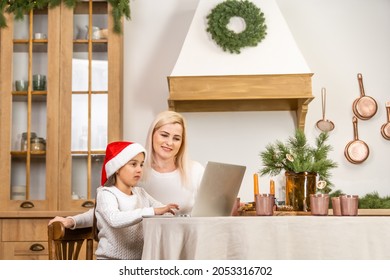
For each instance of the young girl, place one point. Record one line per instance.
(120, 205)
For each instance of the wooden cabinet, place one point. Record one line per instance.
(28, 175)
(90, 100)
(54, 133)
(25, 238)
(69, 116)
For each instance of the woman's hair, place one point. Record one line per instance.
(163, 118)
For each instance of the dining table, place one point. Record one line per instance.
(304, 237)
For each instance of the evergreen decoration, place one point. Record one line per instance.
(120, 8)
(374, 201)
(296, 155)
(255, 27)
(367, 201)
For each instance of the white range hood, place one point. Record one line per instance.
(271, 76)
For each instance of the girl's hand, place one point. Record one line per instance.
(169, 208)
(67, 222)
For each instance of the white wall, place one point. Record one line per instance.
(338, 40)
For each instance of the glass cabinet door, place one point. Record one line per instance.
(30, 74)
(93, 83)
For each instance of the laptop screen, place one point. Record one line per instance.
(218, 190)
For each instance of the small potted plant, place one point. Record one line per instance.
(302, 165)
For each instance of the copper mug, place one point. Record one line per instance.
(264, 204)
(349, 205)
(336, 206)
(319, 204)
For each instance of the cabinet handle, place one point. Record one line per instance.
(88, 204)
(27, 204)
(36, 247)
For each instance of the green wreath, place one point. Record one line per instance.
(255, 28)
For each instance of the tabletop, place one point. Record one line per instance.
(267, 237)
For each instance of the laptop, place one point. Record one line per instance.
(218, 189)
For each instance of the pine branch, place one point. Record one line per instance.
(296, 155)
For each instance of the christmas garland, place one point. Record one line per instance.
(120, 8)
(227, 39)
(369, 201)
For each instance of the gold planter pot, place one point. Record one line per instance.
(299, 186)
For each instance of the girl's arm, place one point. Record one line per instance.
(159, 208)
(78, 221)
(108, 208)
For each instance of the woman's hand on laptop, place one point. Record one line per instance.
(169, 208)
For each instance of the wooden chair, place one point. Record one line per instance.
(65, 244)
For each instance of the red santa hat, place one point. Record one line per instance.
(117, 155)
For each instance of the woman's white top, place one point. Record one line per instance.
(168, 187)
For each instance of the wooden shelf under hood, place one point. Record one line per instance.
(285, 92)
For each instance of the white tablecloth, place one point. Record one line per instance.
(273, 238)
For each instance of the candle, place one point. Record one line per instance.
(255, 184)
(272, 187)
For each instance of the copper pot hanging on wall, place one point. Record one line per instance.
(356, 150)
(385, 129)
(364, 107)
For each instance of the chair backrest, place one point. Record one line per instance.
(65, 244)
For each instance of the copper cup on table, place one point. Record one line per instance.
(319, 204)
(349, 205)
(265, 204)
(336, 206)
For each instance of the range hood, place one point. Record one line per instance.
(269, 77)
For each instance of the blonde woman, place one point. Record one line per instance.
(168, 174)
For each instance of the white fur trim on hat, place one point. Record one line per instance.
(123, 157)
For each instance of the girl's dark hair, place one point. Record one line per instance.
(110, 181)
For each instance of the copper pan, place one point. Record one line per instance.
(385, 129)
(364, 107)
(356, 150)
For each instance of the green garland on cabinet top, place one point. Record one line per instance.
(220, 16)
(120, 9)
